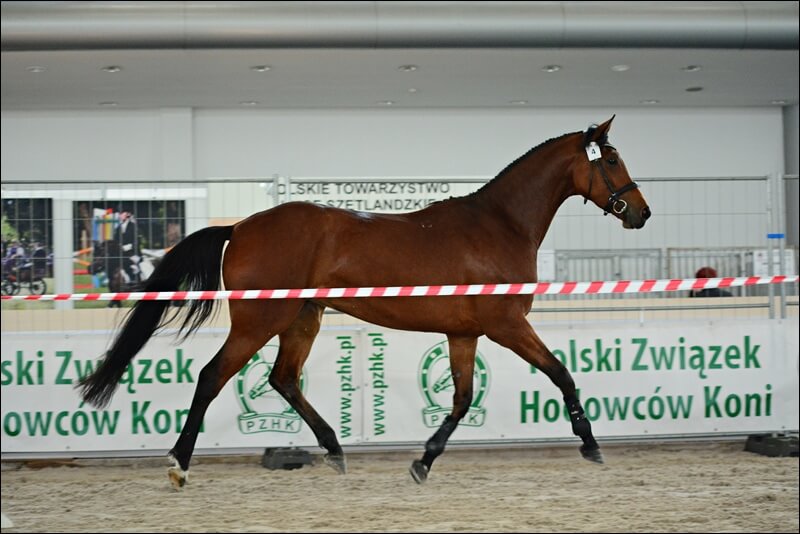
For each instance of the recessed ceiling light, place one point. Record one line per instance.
(620, 68)
(35, 68)
(779, 102)
(386, 102)
(248, 103)
(109, 104)
(518, 102)
(408, 68)
(691, 68)
(111, 68)
(649, 101)
(696, 89)
(260, 68)
(551, 68)
(413, 90)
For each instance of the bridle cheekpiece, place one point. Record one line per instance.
(615, 203)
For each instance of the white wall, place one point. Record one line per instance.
(182, 144)
(172, 144)
(115, 145)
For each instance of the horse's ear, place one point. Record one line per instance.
(602, 130)
(598, 134)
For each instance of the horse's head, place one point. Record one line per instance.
(600, 175)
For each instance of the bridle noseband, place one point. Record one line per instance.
(615, 204)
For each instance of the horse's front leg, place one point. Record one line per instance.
(462, 365)
(521, 339)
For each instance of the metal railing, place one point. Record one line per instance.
(226, 200)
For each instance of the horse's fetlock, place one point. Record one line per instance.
(434, 447)
(581, 427)
(327, 440)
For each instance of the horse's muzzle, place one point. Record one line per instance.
(636, 221)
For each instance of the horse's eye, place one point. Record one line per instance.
(612, 161)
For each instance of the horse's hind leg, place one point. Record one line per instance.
(521, 339)
(295, 346)
(462, 365)
(253, 323)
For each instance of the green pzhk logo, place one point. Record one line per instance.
(436, 383)
(263, 408)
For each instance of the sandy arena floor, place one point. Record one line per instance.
(687, 487)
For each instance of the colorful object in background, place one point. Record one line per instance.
(103, 223)
(100, 279)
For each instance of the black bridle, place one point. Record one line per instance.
(614, 204)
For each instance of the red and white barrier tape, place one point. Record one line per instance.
(539, 288)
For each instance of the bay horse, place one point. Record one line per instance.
(489, 236)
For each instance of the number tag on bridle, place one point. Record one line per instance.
(593, 151)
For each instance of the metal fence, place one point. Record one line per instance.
(723, 223)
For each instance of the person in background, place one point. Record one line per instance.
(709, 272)
(15, 255)
(39, 260)
(127, 236)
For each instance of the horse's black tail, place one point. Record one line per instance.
(192, 265)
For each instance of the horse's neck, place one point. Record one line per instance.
(529, 193)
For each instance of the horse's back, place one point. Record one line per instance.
(324, 246)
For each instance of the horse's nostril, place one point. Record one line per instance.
(646, 213)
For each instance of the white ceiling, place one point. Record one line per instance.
(320, 77)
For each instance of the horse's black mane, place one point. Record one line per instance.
(587, 134)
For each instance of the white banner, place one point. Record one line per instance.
(376, 385)
(398, 195)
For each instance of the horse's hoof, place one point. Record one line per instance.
(177, 476)
(593, 455)
(337, 462)
(419, 472)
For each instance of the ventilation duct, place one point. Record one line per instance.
(216, 25)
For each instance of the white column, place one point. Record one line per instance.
(62, 250)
